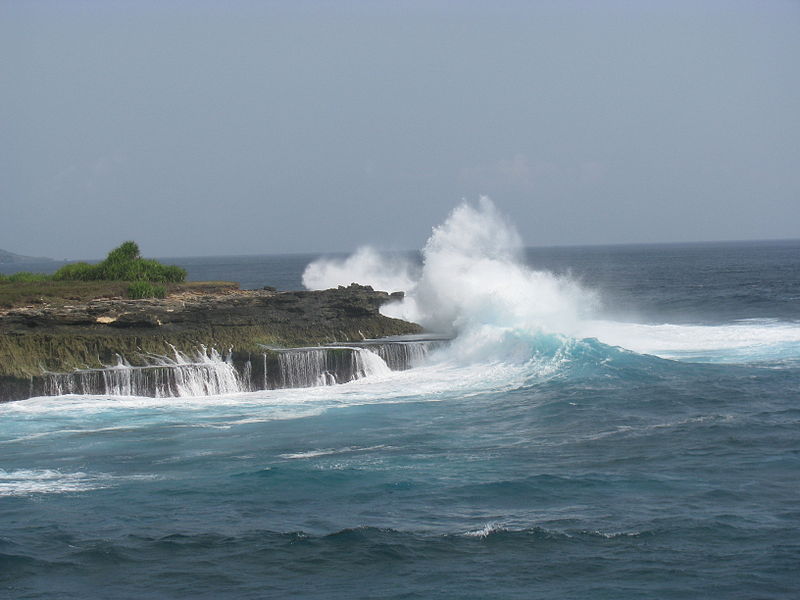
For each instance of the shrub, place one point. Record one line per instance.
(144, 289)
(173, 273)
(123, 264)
(117, 263)
(27, 277)
(144, 269)
(79, 271)
(125, 252)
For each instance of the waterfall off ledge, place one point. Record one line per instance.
(200, 344)
(207, 372)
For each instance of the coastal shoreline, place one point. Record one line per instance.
(39, 340)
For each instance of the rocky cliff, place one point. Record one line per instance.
(35, 340)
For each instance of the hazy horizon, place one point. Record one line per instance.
(414, 250)
(249, 128)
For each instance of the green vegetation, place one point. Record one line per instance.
(144, 289)
(122, 264)
(25, 277)
(122, 273)
(79, 271)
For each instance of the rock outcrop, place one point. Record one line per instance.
(36, 340)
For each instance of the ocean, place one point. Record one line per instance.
(607, 422)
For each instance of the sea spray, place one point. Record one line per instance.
(382, 271)
(473, 285)
(622, 475)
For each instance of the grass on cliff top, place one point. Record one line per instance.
(15, 294)
(123, 273)
(124, 263)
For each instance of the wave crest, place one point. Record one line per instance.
(473, 285)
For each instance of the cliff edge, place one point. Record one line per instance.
(38, 339)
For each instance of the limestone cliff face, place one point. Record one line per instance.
(35, 340)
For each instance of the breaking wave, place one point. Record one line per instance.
(475, 286)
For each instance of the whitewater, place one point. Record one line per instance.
(602, 423)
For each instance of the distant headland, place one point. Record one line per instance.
(7, 257)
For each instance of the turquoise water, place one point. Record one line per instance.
(658, 457)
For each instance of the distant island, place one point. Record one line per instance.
(7, 257)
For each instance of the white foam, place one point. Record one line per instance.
(511, 324)
(24, 482)
(370, 364)
(474, 285)
(485, 531)
(435, 382)
(365, 266)
(611, 535)
(27, 482)
(751, 339)
(329, 452)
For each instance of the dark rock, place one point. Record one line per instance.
(90, 335)
(142, 319)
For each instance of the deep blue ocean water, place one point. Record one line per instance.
(659, 458)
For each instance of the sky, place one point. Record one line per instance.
(205, 128)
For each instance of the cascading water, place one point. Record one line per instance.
(369, 364)
(401, 354)
(207, 373)
(312, 367)
(305, 368)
